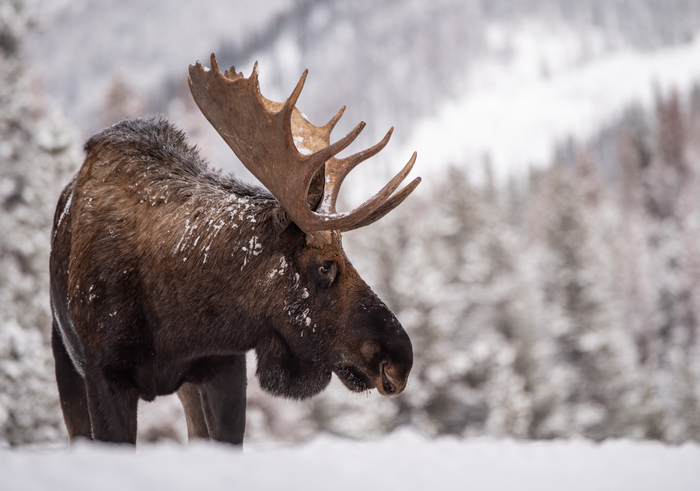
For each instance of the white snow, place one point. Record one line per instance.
(553, 83)
(403, 460)
(299, 143)
(65, 211)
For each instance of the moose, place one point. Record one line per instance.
(164, 273)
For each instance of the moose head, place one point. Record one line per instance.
(348, 329)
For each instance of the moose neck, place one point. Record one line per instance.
(223, 240)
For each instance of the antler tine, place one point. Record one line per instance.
(286, 113)
(326, 153)
(338, 169)
(389, 188)
(231, 73)
(347, 221)
(388, 205)
(314, 162)
(289, 105)
(334, 120)
(214, 64)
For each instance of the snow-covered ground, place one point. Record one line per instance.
(403, 460)
(551, 82)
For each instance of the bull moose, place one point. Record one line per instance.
(164, 273)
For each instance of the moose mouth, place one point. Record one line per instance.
(358, 381)
(353, 378)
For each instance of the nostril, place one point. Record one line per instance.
(389, 383)
(389, 387)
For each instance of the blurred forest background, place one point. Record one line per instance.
(548, 268)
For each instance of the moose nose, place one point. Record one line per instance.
(391, 382)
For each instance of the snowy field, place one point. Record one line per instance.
(403, 461)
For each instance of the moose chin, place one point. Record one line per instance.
(165, 273)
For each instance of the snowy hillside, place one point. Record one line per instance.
(403, 461)
(553, 84)
(458, 80)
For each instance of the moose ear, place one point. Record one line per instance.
(316, 189)
(280, 220)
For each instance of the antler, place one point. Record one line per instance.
(284, 151)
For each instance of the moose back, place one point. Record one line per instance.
(165, 273)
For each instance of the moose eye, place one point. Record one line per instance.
(326, 273)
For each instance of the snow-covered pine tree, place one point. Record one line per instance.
(38, 154)
(594, 390)
(673, 183)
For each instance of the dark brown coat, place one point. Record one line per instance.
(164, 273)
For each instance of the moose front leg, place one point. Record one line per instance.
(112, 405)
(223, 401)
(216, 408)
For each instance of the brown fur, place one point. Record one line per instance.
(165, 273)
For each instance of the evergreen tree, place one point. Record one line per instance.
(37, 156)
(593, 364)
